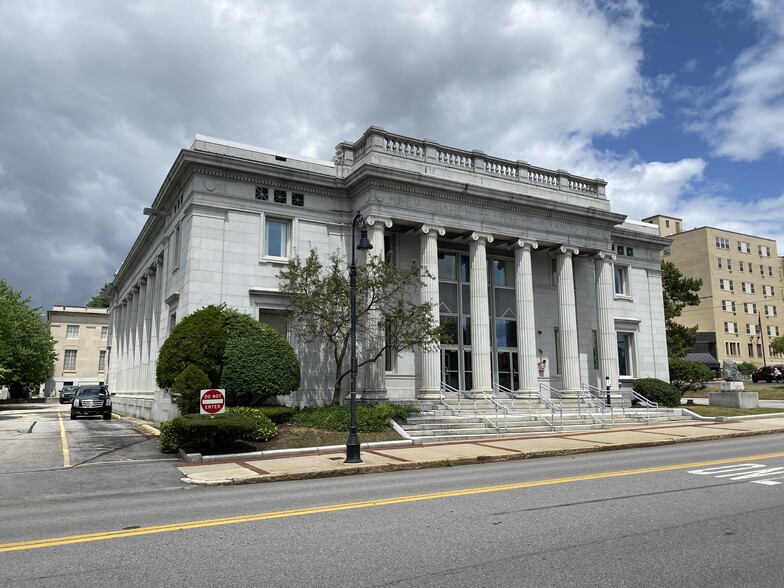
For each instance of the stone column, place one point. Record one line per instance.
(526, 324)
(480, 315)
(567, 321)
(431, 358)
(607, 339)
(375, 384)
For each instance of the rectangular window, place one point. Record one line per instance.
(447, 267)
(262, 193)
(763, 250)
(727, 285)
(625, 354)
(390, 249)
(731, 328)
(297, 199)
(719, 263)
(728, 305)
(277, 237)
(279, 196)
(768, 290)
(69, 360)
(172, 322)
(729, 264)
(104, 333)
(553, 273)
(503, 273)
(622, 280)
(747, 287)
(72, 332)
(750, 307)
(102, 361)
(770, 310)
(722, 243)
(177, 242)
(770, 271)
(732, 348)
(740, 265)
(278, 320)
(751, 349)
(744, 247)
(389, 355)
(751, 329)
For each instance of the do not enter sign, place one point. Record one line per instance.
(212, 401)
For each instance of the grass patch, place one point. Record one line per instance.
(765, 391)
(294, 437)
(717, 411)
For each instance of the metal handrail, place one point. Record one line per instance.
(531, 410)
(447, 389)
(647, 404)
(592, 395)
(550, 403)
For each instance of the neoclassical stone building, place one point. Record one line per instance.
(544, 287)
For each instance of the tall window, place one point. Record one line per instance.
(277, 237)
(719, 262)
(69, 360)
(622, 280)
(626, 354)
(104, 333)
(177, 243)
(102, 361)
(72, 332)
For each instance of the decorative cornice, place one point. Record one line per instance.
(272, 181)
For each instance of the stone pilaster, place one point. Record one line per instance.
(526, 323)
(606, 335)
(480, 315)
(431, 358)
(567, 321)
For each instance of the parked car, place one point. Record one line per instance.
(765, 373)
(92, 401)
(67, 394)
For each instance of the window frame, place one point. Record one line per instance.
(291, 230)
(69, 360)
(72, 331)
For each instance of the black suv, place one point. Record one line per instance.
(92, 401)
(67, 393)
(766, 373)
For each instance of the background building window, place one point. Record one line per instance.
(69, 360)
(276, 319)
(625, 354)
(622, 280)
(72, 332)
(102, 361)
(277, 237)
(104, 333)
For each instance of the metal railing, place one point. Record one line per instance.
(539, 397)
(592, 396)
(647, 407)
(500, 409)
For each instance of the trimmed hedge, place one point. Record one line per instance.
(278, 414)
(370, 419)
(205, 433)
(265, 428)
(658, 391)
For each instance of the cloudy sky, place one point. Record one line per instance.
(678, 105)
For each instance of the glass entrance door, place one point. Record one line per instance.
(507, 372)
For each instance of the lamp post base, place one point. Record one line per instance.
(352, 447)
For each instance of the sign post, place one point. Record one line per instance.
(212, 401)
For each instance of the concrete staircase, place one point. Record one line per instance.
(481, 419)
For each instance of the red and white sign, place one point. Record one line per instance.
(212, 401)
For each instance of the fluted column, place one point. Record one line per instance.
(567, 321)
(480, 315)
(526, 323)
(375, 384)
(431, 358)
(606, 335)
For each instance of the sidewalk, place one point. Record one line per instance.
(297, 464)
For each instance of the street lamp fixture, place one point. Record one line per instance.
(352, 445)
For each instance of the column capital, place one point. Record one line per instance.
(476, 236)
(436, 231)
(608, 255)
(568, 250)
(526, 243)
(383, 222)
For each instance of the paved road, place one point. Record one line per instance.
(698, 514)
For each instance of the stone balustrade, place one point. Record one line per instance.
(377, 140)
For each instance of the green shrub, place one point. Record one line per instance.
(169, 440)
(746, 368)
(258, 362)
(265, 428)
(279, 414)
(370, 419)
(199, 339)
(658, 391)
(187, 387)
(689, 375)
(211, 433)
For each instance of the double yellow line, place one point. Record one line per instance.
(123, 533)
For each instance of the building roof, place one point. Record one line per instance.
(704, 358)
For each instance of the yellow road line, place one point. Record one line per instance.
(66, 453)
(122, 533)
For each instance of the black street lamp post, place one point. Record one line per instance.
(352, 445)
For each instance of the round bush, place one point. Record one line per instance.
(658, 391)
(265, 428)
(187, 387)
(688, 375)
(258, 362)
(198, 339)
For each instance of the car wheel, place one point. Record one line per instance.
(73, 417)
(107, 417)
(754, 379)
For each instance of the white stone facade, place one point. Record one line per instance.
(544, 284)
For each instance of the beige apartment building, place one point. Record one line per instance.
(742, 302)
(81, 337)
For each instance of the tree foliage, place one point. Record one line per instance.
(689, 375)
(26, 345)
(187, 387)
(679, 292)
(777, 345)
(320, 305)
(100, 300)
(658, 391)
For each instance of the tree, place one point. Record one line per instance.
(688, 375)
(26, 345)
(100, 300)
(320, 306)
(679, 292)
(777, 345)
